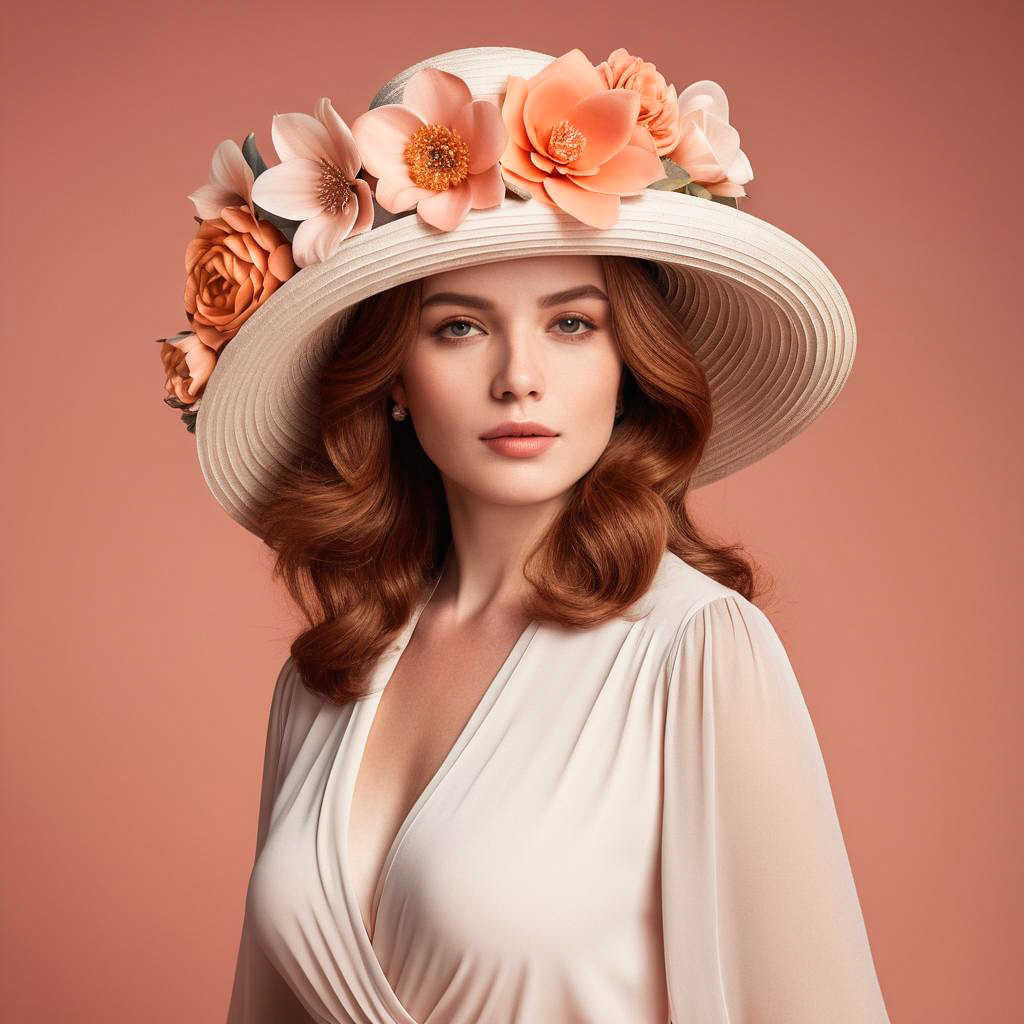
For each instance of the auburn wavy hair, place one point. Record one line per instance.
(360, 527)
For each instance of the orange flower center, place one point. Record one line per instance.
(566, 142)
(438, 157)
(335, 190)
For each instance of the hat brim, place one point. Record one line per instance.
(767, 319)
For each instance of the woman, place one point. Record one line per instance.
(538, 756)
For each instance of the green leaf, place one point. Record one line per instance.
(252, 155)
(676, 178)
(732, 201)
(694, 189)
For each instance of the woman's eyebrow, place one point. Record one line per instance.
(583, 291)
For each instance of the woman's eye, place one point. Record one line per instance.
(583, 321)
(454, 324)
(578, 326)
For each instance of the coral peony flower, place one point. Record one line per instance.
(316, 182)
(232, 267)
(230, 183)
(574, 142)
(188, 364)
(659, 108)
(709, 147)
(436, 151)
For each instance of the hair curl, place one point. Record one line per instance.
(360, 528)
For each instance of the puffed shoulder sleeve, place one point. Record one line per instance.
(761, 919)
(259, 994)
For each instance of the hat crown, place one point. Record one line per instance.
(485, 69)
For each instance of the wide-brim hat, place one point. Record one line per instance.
(763, 314)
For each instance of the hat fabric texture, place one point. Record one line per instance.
(763, 314)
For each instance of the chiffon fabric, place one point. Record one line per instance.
(635, 826)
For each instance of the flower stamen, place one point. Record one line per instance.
(566, 142)
(335, 190)
(438, 157)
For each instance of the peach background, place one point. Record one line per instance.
(141, 634)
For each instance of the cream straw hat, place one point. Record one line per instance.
(767, 319)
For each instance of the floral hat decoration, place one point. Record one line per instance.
(482, 154)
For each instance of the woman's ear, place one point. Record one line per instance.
(397, 393)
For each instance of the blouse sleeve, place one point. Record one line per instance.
(761, 919)
(259, 994)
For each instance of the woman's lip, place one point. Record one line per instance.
(520, 446)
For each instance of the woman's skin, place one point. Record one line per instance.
(519, 359)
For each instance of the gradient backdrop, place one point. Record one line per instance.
(141, 635)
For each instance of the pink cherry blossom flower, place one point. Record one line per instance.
(575, 142)
(316, 182)
(709, 147)
(230, 183)
(436, 151)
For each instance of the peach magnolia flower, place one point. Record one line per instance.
(316, 182)
(574, 142)
(659, 109)
(232, 267)
(709, 147)
(436, 151)
(188, 364)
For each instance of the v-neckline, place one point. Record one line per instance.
(382, 675)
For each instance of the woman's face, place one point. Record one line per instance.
(525, 339)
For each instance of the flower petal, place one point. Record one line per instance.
(512, 111)
(704, 95)
(364, 218)
(290, 189)
(436, 95)
(541, 162)
(517, 160)
(535, 188)
(547, 104)
(480, 125)
(319, 237)
(607, 120)
(381, 135)
(726, 188)
(396, 191)
(299, 136)
(210, 199)
(446, 210)
(487, 189)
(597, 209)
(629, 172)
(575, 65)
(343, 145)
(231, 171)
(740, 170)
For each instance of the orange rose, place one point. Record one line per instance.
(659, 111)
(232, 267)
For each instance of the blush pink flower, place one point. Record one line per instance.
(436, 151)
(230, 183)
(574, 142)
(709, 147)
(659, 109)
(316, 182)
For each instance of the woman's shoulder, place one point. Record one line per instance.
(680, 590)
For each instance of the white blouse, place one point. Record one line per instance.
(635, 826)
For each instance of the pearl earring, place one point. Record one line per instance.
(398, 412)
